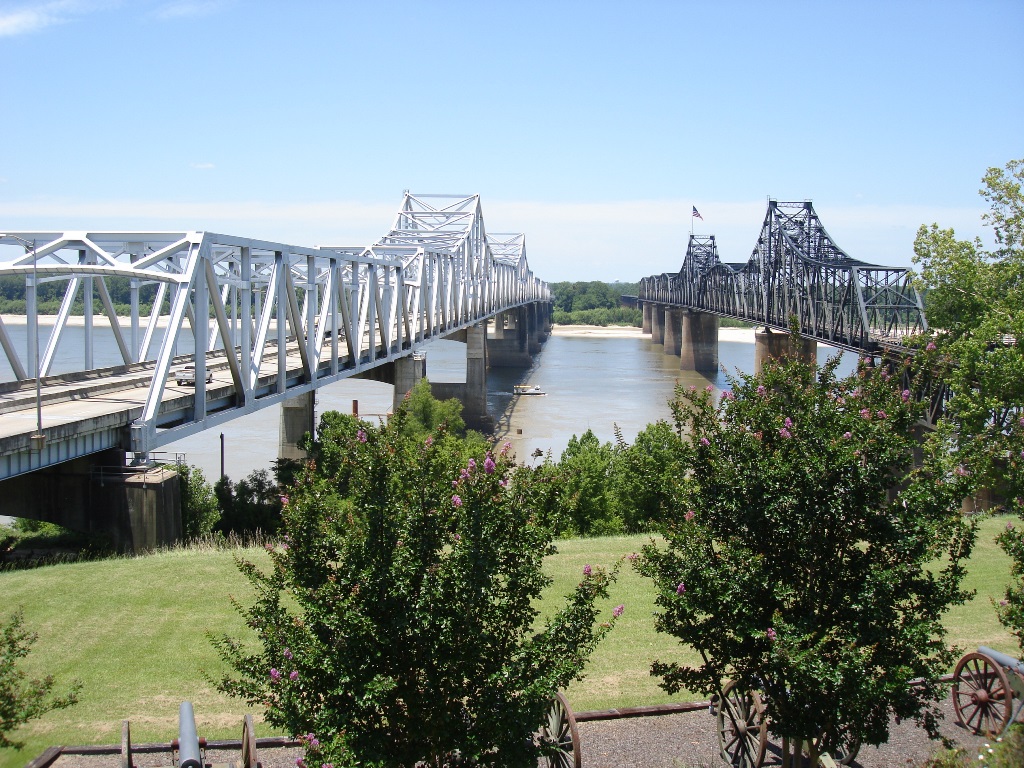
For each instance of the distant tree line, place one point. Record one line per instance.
(594, 303)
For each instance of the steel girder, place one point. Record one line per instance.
(282, 319)
(796, 270)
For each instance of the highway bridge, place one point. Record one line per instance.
(263, 323)
(796, 273)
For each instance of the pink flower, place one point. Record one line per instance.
(865, 413)
(783, 432)
(905, 395)
(693, 388)
(709, 388)
(1003, 603)
(788, 422)
(287, 653)
(587, 570)
(456, 501)
(618, 610)
(1009, 526)
(505, 448)
(761, 391)
(705, 441)
(489, 465)
(847, 435)
(632, 556)
(931, 346)
(428, 442)
(457, 537)
(361, 436)
(689, 515)
(728, 395)
(293, 675)
(883, 415)
(471, 465)
(681, 588)
(284, 500)
(504, 482)
(771, 634)
(275, 675)
(961, 471)
(455, 483)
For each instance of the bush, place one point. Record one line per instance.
(813, 560)
(21, 700)
(199, 511)
(397, 625)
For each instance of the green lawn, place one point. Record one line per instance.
(133, 631)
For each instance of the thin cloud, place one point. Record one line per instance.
(203, 166)
(32, 18)
(190, 9)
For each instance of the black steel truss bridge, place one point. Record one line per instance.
(796, 271)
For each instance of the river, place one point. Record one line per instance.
(594, 379)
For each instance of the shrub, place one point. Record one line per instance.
(812, 559)
(199, 512)
(397, 624)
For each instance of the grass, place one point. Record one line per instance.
(133, 631)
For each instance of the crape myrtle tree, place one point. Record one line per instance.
(810, 558)
(396, 627)
(974, 299)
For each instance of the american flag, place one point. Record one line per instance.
(696, 214)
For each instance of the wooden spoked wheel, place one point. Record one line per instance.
(843, 752)
(249, 744)
(982, 697)
(558, 736)
(742, 727)
(126, 745)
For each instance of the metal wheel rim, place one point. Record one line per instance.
(742, 727)
(126, 745)
(249, 743)
(982, 698)
(559, 730)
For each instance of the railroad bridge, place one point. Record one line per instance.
(260, 323)
(796, 272)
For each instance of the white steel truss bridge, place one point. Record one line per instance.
(261, 322)
(796, 271)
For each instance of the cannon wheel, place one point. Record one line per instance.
(845, 752)
(559, 730)
(126, 745)
(249, 744)
(982, 696)
(742, 727)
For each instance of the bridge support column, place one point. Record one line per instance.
(699, 348)
(408, 372)
(137, 510)
(474, 404)
(776, 345)
(658, 324)
(512, 350)
(673, 330)
(647, 310)
(298, 416)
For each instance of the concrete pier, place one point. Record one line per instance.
(408, 372)
(658, 324)
(648, 309)
(699, 348)
(298, 417)
(673, 331)
(775, 345)
(512, 348)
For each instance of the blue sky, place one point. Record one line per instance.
(593, 127)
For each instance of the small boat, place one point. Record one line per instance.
(527, 389)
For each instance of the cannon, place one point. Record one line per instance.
(743, 730)
(985, 684)
(188, 750)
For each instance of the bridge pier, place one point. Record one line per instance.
(648, 310)
(512, 348)
(298, 416)
(673, 330)
(472, 394)
(137, 511)
(699, 348)
(408, 372)
(776, 345)
(658, 324)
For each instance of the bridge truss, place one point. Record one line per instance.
(796, 270)
(274, 320)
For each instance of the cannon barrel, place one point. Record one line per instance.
(188, 739)
(1002, 659)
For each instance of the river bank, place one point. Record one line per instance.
(742, 335)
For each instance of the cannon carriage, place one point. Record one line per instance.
(985, 684)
